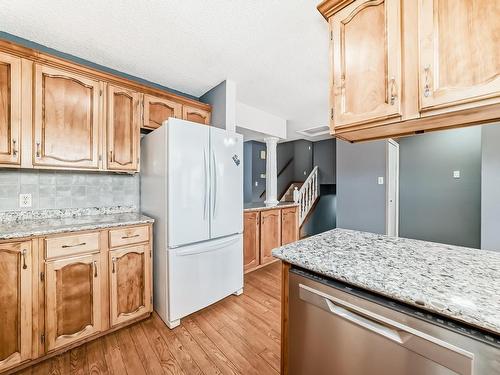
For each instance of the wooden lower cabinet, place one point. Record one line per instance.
(63, 290)
(270, 234)
(130, 283)
(289, 225)
(15, 303)
(265, 230)
(251, 238)
(73, 299)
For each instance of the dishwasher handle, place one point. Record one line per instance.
(432, 348)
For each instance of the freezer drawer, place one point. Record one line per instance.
(335, 332)
(204, 273)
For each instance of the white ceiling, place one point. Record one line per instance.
(275, 50)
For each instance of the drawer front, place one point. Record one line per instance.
(128, 236)
(56, 247)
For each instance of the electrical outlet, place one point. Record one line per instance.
(456, 174)
(380, 181)
(25, 200)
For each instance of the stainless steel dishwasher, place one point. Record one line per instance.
(337, 329)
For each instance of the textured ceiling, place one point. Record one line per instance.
(275, 50)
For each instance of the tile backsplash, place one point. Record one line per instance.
(67, 189)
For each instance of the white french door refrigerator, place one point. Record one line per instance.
(192, 185)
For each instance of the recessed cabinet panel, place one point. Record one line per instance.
(158, 110)
(73, 299)
(123, 129)
(251, 238)
(270, 234)
(10, 110)
(289, 225)
(15, 303)
(66, 120)
(130, 292)
(366, 62)
(195, 115)
(459, 52)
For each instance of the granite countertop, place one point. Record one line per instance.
(51, 225)
(261, 206)
(456, 282)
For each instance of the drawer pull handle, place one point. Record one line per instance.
(95, 268)
(113, 261)
(132, 236)
(78, 244)
(24, 259)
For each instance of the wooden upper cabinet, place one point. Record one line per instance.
(123, 135)
(270, 234)
(459, 52)
(15, 303)
(251, 237)
(10, 109)
(366, 54)
(157, 110)
(195, 115)
(130, 283)
(289, 225)
(66, 119)
(73, 299)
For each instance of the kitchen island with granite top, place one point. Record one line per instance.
(432, 308)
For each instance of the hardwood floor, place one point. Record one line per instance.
(239, 335)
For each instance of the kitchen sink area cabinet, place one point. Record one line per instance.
(156, 110)
(251, 239)
(123, 130)
(73, 299)
(442, 72)
(16, 270)
(66, 127)
(10, 110)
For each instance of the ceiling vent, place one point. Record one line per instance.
(317, 130)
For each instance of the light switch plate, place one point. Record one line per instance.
(380, 180)
(456, 174)
(25, 200)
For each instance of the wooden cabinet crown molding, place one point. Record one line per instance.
(329, 7)
(71, 66)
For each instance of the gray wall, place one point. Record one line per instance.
(434, 206)
(360, 200)
(284, 152)
(303, 159)
(253, 167)
(490, 191)
(324, 157)
(51, 189)
(247, 172)
(217, 98)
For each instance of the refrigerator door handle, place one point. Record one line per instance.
(206, 248)
(206, 192)
(215, 183)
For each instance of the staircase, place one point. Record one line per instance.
(307, 195)
(288, 196)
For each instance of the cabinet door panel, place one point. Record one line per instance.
(123, 129)
(195, 115)
(270, 234)
(251, 232)
(459, 54)
(10, 109)
(66, 126)
(15, 303)
(289, 225)
(157, 110)
(73, 299)
(130, 283)
(366, 52)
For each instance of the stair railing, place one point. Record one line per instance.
(307, 195)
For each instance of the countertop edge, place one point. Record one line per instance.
(253, 209)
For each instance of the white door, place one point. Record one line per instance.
(188, 182)
(204, 273)
(392, 224)
(226, 204)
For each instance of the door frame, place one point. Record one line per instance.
(391, 179)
